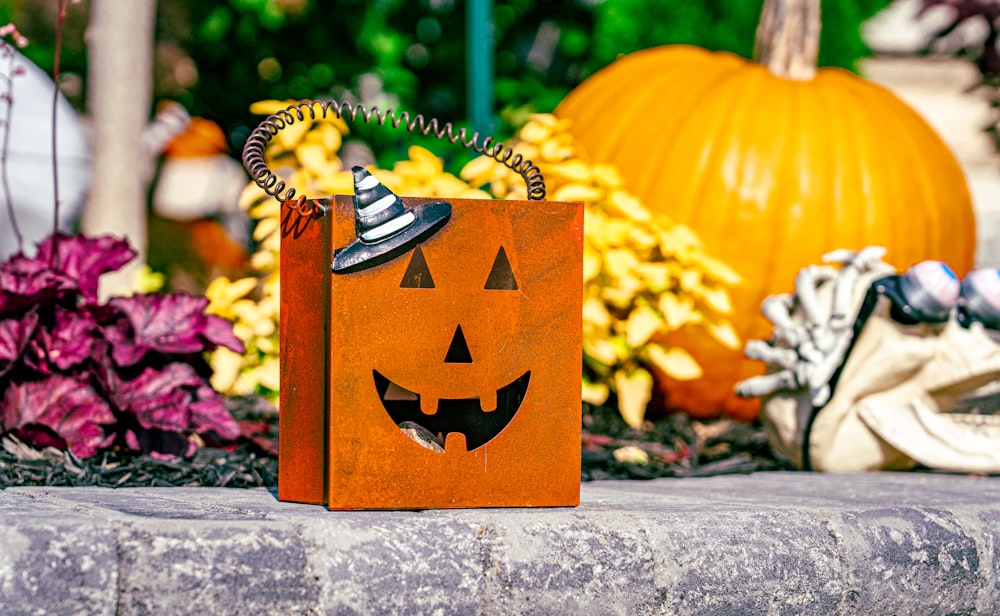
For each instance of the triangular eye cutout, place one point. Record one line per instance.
(458, 350)
(417, 275)
(501, 276)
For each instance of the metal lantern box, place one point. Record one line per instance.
(430, 350)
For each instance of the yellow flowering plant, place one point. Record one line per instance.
(644, 275)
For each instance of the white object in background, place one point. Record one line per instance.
(29, 158)
(901, 28)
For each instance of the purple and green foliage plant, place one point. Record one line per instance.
(88, 376)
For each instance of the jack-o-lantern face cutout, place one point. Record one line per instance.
(478, 420)
(469, 341)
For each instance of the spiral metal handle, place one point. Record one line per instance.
(253, 150)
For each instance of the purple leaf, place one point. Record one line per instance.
(210, 413)
(219, 332)
(160, 398)
(26, 282)
(168, 323)
(123, 348)
(173, 323)
(14, 335)
(65, 406)
(84, 259)
(170, 404)
(68, 343)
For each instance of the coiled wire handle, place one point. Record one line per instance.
(253, 151)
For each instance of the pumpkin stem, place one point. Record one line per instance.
(788, 38)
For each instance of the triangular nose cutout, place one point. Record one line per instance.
(418, 275)
(501, 276)
(458, 350)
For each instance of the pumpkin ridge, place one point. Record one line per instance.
(902, 176)
(600, 120)
(720, 178)
(604, 111)
(707, 82)
(626, 140)
(703, 161)
(856, 145)
(857, 190)
(787, 156)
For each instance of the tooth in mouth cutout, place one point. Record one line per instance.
(465, 416)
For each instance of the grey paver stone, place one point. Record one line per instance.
(53, 561)
(567, 562)
(746, 562)
(394, 563)
(907, 554)
(217, 568)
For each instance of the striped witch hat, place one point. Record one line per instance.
(386, 228)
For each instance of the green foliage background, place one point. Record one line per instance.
(622, 26)
(417, 48)
(411, 53)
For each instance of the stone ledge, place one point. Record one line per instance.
(770, 543)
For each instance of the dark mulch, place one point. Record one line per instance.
(241, 468)
(674, 446)
(250, 463)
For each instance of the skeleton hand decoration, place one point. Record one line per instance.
(809, 350)
(866, 367)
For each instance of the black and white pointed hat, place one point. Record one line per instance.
(386, 228)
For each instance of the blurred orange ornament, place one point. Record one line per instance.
(202, 138)
(197, 193)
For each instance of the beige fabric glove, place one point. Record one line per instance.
(888, 405)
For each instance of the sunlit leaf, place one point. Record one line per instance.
(577, 192)
(675, 362)
(629, 206)
(634, 391)
(724, 332)
(595, 393)
(642, 323)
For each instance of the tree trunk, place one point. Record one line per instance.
(120, 84)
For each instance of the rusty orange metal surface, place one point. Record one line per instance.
(472, 337)
(305, 297)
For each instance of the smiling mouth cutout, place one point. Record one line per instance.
(464, 416)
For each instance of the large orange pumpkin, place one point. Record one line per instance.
(772, 163)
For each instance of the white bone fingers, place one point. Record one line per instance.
(816, 324)
(810, 352)
(840, 255)
(843, 293)
(778, 310)
(806, 282)
(843, 290)
(769, 354)
(867, 255)
(824, 339)
(768, 384)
